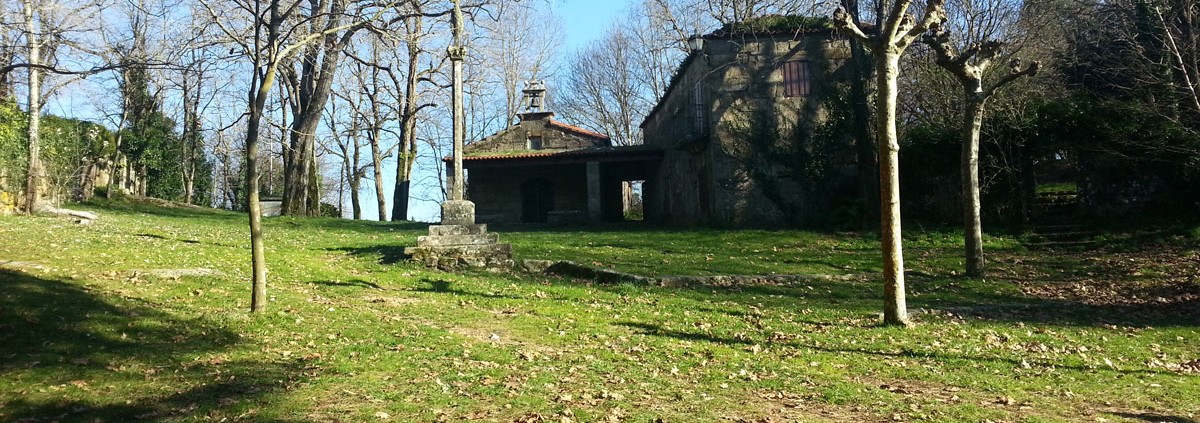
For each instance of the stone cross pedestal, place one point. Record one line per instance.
(460, 242)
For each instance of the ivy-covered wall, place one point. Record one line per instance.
(66, 146)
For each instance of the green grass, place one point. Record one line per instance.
(1057, 187)
(117, 321)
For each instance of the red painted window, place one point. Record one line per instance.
(796, 79)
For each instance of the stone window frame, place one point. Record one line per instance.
(797, 78)
(534, 143)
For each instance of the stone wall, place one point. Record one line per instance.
(497, 191)
(516, 137)
(729, 132)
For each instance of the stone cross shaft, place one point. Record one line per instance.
(457, 53)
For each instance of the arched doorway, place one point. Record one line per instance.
(537, 200)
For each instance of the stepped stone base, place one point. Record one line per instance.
(460, 242)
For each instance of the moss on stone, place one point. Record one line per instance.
(778, 23)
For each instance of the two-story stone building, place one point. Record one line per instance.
(751, 129)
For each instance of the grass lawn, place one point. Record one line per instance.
(143, 316)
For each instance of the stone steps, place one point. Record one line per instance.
(452, 240)
(445, 230)
(460, 242)
(1057, 223)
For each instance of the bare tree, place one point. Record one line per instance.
(1146, 50)
(268, 49)
(896, 31)
(603, 90)
(518, 45)
(969, 66)
(349, 150)
(197, 63)
(34, 42)
(370, 108)
(413, 37)
(308, 90)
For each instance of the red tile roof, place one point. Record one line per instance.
(577, 130)
(584, 152)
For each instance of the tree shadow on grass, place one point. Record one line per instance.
(388, 254)
(400, 228)
(657, 330)
(441, 286)
(1152, 417)
(67, 354)
(1073, 313)
(972, 299)
(359, 283)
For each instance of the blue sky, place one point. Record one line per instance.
(586, 20)
(583, 21)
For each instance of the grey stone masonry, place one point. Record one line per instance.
(460, 242)
(443, 230)
(458, 212)
(450, 240)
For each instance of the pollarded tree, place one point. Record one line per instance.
(969, 67)
(887, 42)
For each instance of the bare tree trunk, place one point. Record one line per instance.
(350, 171)
(887, 43)
(190, 136)
(260, 89)
(34, 176)
(314, 182)
(972, 221)
(887, 68)
(408, 126)
(377, 170)
(312, 88)
(258, 293)
(355, 201)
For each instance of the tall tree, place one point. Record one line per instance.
(969, 66)
(308, 88)
(413, 37)
(603, 90)
(268, 49)
(896, 31)
(308, 81)
(369, 108)
(349, 149)
(34, 168)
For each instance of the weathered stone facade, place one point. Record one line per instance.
(742, 144)
(538, 131)
(540, 170)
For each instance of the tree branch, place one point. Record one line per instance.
(1017, 72)
(844, 23)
